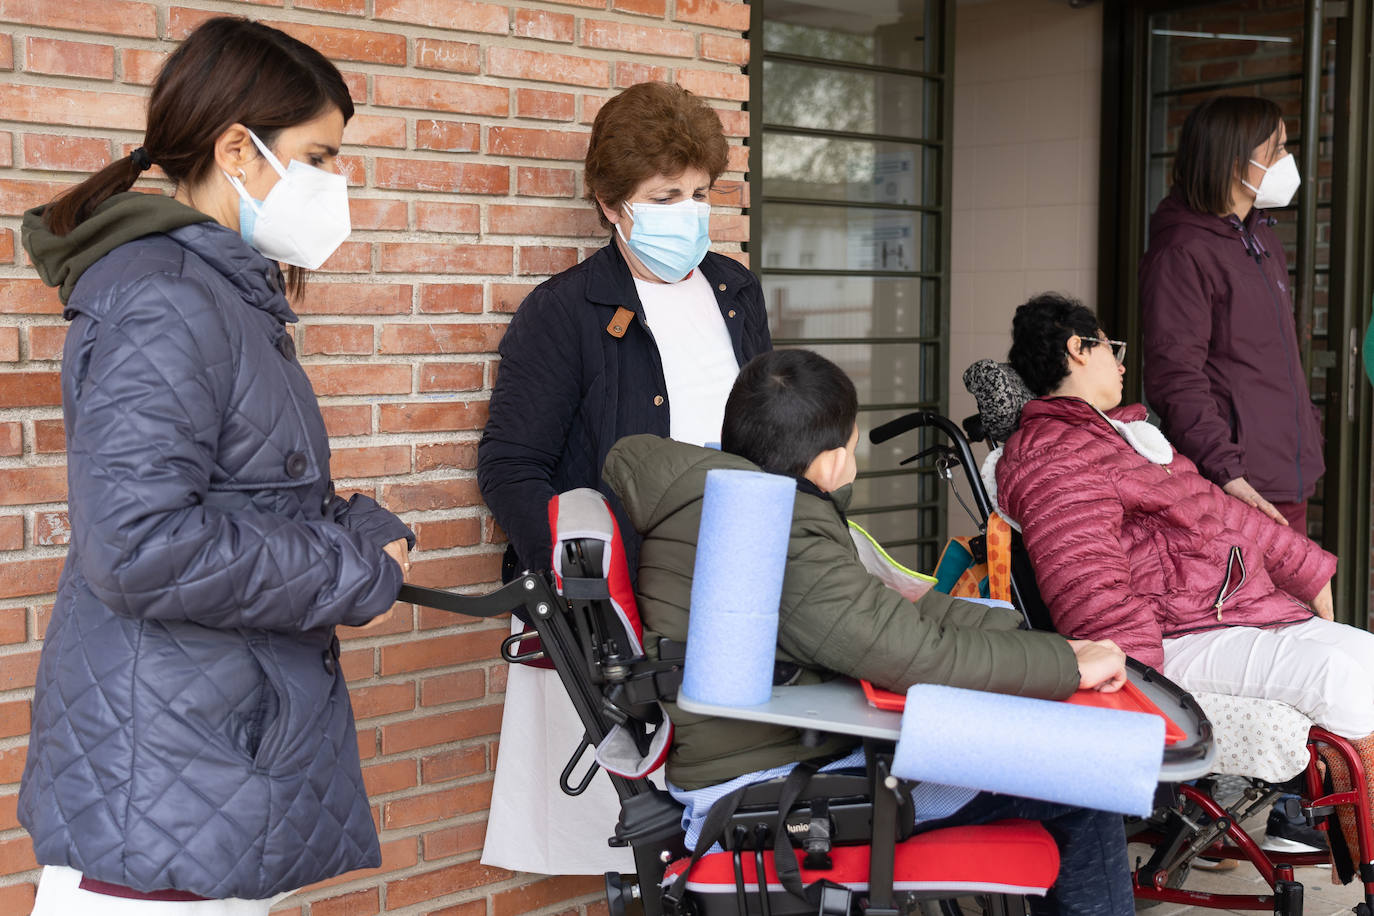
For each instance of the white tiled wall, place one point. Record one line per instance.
(1027, 85)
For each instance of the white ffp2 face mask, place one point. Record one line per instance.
(303, 219)
(1280, 183)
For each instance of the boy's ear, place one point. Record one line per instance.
(826, 469)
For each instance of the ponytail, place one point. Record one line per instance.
(73, 208)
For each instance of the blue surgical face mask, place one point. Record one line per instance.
(669, 239)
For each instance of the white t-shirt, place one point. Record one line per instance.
(698, 359)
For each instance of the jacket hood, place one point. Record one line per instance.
(1174, 215)
(61, 259)
(651, 475)
(656, 477)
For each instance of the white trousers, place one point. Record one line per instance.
(60, 894)
(1323, 669)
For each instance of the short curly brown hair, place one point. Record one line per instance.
(650, 129)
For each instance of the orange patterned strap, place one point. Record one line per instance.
(999, 558)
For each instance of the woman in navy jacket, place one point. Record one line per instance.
(581, 365)
(645, 336)
(193, 742)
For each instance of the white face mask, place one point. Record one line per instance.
(1279, 184)
(303, 219)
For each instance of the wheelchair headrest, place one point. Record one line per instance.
(628, 749)
(1000, 394)
(584, 513)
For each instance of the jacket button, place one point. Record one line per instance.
(296, 464)
(330, 656)
(658, 400)
(731, 313)
(721, 287)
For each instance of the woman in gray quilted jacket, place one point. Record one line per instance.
(193, 741)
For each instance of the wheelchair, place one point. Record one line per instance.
(1189, 821)
(820, 843)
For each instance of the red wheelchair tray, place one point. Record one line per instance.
(1006, 857)
(1129, 698)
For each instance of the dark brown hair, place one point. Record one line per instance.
(650, 129)
(228, 71)
(1217, 140)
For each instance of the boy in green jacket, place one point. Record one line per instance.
(792, 412)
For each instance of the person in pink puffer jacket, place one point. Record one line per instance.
(1130, 543)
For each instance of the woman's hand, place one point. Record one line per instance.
(1101, 665)
(1323, 603)
(1240, 488)
(398, 550)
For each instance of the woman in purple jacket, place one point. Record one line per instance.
(1221, 350)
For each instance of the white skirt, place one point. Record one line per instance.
(60, 894)
(533, 826)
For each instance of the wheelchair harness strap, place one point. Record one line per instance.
(821, 894)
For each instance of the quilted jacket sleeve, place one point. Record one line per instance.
(1071, 518)
(365, 517)
(1294, 562)
(143, 425)
(1176, 320)
(537, 395)
(848, 621)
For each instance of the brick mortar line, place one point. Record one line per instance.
(411, 32)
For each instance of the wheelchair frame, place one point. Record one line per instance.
(1189, 822)
(607, 688)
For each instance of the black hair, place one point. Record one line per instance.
(1040, 332)
(787, 407)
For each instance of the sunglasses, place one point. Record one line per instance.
(1118, 346)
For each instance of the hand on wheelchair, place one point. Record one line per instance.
(1101, 665)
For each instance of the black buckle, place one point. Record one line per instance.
(817, 840)
(835, 900)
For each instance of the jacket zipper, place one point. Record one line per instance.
(1288, 361)
(1227, 592)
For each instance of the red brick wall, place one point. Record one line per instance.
(464, 162)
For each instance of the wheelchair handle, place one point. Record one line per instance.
(519, 658)
(921, 418)
(565, 778)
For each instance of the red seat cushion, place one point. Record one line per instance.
(1006, 857)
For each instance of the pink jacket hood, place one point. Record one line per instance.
(1133, 551)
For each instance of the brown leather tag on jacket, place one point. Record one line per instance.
(620, 323)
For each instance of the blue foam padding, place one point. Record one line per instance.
(1090, 758)
(732, 629)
